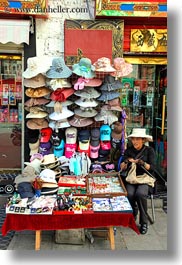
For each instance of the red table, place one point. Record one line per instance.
(19, 222)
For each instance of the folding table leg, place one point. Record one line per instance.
(37, 239)
(111, 237)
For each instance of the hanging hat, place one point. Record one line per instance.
(58, 69)
(113, 104)
(36, 65)
(36, 112)
(117, 130)
(31, 102)
(58, 83)
(85, 112)
(84, 68)
(103, 65)
(45, 148)
(110, 84)
(140, 133)
(82, 82)
(86, 102)
(45, 134)
(64, 114)
(78, 121)
(59, 124)
(37, 123)
(107, 116)
(64, 103)
(88, 92)
(71, 135)
(37, 92)
(34, 82)
(122, 68)
(108, 96)
(61, 94)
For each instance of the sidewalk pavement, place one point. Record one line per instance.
(125, 239)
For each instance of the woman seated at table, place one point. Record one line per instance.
(144, 158)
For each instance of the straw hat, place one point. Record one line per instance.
(64, 103)
(37, 123)
(86, 102)
(34, 82)
(36, 102)
(78, 121)
(85, 112)
(36, 112)
(37, 92)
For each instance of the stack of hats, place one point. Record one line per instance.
(49, 184)
(84, 68)
(105, 142)
(94, 143)
(110, 88)
(84, 141)
(49, 161)
(63, 123)
(61, 113)
(58, 74)
(71, 141)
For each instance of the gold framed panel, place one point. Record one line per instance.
(146, 60)
(148, 40)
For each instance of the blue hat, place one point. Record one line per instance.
(25, 190)
(59, 150)
(108, 96)
(58, 69)
(110, 83)
(105, 132)
(84, 68)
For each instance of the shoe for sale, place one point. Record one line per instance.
(143, 229)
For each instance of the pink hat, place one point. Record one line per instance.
(84, 82)
(94, 150)
(70, 149)
(122, 68)
(105, 145)
(104, 65)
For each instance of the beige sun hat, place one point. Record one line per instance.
(34, 82)
(140, 133)
(36, 112)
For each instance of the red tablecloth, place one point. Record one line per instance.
(18, 222)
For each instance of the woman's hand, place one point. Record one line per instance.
(123, 166)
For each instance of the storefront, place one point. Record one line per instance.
(17, 43)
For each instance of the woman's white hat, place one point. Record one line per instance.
(140, 133)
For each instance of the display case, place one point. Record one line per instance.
(137, 97)
(10, 111)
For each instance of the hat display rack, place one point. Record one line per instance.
(83, 97)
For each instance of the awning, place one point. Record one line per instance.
(16, 31)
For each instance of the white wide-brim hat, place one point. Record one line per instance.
(57, 116)
(37, 65)
(140, 133)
